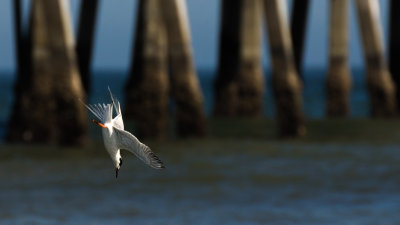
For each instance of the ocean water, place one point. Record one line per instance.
(344, 172)
(212, 181)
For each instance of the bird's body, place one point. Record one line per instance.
(116, 138)
(110, 144)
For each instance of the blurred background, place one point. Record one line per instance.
(264, 112)
(115, 30)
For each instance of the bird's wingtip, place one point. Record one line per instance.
(160, 165)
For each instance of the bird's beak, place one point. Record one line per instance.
(116, 172)
(98, 123)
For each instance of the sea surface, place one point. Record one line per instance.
(212, 181)
(344, 172)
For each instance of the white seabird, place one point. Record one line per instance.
(116, 138)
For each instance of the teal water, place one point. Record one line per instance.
(213, 181)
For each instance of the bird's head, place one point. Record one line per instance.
(118, 163)
(99, 124)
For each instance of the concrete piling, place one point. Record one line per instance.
(298, 30)
(380, 84)
(240, 85)
(184, 84)
(286, 83)
(394, 48)
(147, 90)
(48, 109)
(338, 82)
(85, 39)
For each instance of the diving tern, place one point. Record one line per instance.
(116, 138)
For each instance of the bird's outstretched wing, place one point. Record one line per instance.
(127, 141)
(117, 121)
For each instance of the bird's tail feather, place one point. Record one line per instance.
(102, 111)
(115, 102)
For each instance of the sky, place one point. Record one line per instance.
(116, 22)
